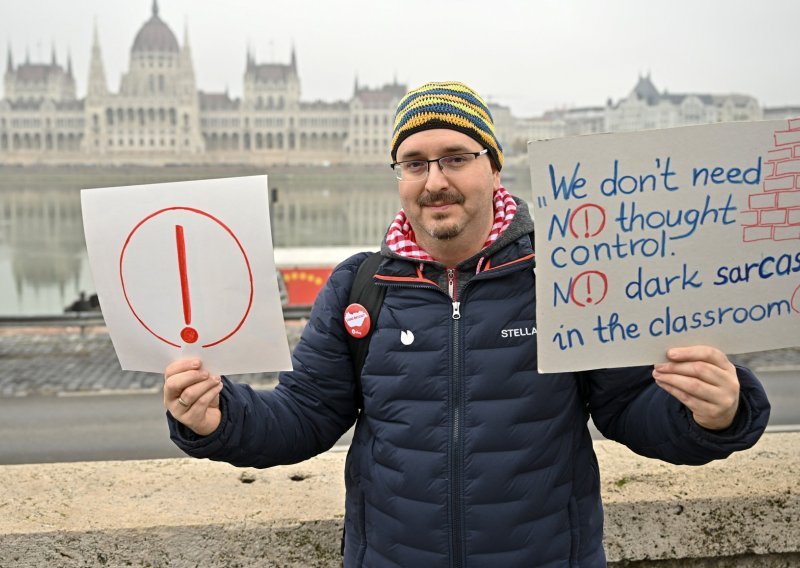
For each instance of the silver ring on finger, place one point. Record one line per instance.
(183, 403)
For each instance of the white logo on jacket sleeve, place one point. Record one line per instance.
(406, 337)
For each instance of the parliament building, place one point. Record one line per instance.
(158, 116)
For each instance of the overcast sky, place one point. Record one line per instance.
(531, 55)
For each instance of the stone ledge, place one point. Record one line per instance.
(743, 511)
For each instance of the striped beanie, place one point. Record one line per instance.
(450, 105)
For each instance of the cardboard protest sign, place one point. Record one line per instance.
(649, 240)
(186, 270)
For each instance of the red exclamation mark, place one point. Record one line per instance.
(188, 334)
(588, 288)
(586, 221)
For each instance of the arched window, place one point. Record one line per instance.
(259, 141)
(280, 140)
(109, 116)
(120, 115)
(269, 140)
(151, 115)
(162, 115)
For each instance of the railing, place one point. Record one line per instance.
(94, 318)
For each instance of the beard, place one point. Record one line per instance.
(444, 232)
(441, 231)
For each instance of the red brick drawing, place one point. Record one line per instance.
(774, 213)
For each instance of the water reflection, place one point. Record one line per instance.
(43, 261)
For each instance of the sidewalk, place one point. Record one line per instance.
(50, 361)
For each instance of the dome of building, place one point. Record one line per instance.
(155, 35)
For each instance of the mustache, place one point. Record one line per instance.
(440, 198)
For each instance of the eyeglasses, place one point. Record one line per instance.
(417, 170)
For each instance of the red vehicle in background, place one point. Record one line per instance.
(304, 270)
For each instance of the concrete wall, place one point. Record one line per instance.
(744, 511)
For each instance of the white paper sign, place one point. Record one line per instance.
(186, 270)
(663, 238)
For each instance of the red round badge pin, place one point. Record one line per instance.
(356, 320)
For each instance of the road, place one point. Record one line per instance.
(45, 429)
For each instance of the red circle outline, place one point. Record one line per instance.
(605, 287)
(586, 206)
(221, 224)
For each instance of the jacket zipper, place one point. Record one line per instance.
(456, 450)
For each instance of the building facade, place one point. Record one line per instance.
(644, 108)
(158, 116)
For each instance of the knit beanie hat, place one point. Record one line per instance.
(450, 105)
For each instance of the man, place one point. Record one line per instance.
(463, 454)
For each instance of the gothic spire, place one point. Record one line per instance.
(294, 59)
(155, 8)
(10, 61)
(97, 75)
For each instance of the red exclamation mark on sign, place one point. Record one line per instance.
(589, 289)
(188, 334)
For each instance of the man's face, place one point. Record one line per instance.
(450, 204)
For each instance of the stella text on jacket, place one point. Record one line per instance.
(517, 332)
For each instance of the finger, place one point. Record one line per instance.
(699, 353)
(181, 365)
(701, 370)
(698, 407)
(189, 396)
(688, 387)
(176, 384)
(195, 415)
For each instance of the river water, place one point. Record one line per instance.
(43, 260)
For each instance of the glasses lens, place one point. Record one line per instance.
(411, 170)
(457, 162)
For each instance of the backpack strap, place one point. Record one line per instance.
(366, 293)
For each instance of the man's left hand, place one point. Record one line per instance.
(702, 378)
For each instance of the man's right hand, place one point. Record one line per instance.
(191, 394)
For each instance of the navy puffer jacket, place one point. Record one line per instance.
(463, 455)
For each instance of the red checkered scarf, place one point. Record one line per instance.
(400, 237)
